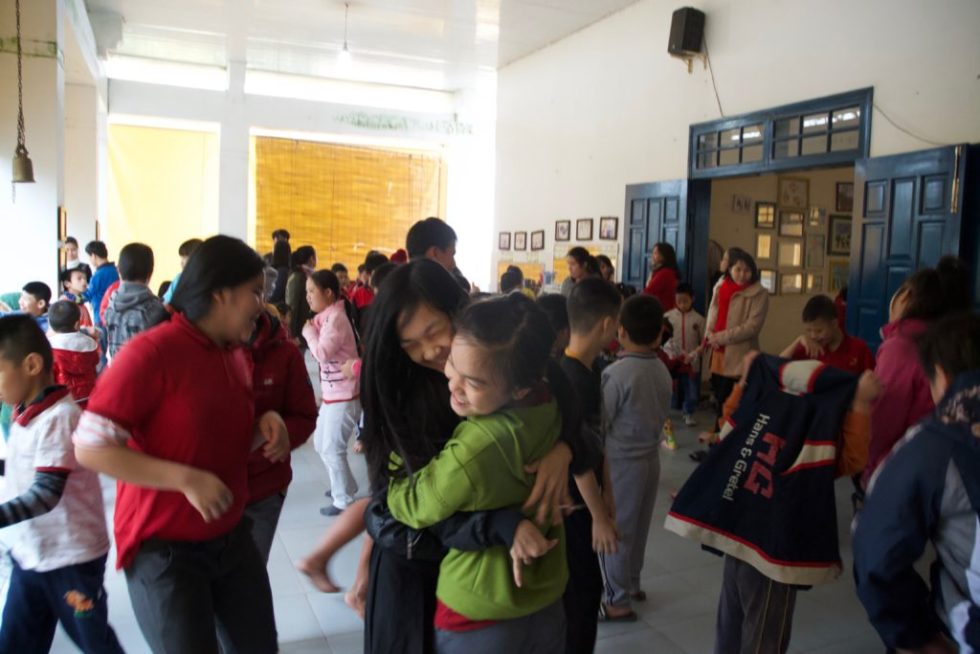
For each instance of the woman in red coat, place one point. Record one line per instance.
(663, 280)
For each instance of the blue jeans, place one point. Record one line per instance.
(688, 392)
(73, 595)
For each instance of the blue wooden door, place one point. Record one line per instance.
(655, 213)
(907, 214)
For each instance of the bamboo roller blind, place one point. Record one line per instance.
(343, 200)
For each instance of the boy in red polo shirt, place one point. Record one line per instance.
(823, 340)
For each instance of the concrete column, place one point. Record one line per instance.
(29, 225)
(233, 167)
(83, 179)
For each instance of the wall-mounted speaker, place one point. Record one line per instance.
(686, 32)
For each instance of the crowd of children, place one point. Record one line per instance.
(513, 447)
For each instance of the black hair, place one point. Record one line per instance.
(135, 262)
(738, 254)
(373, 261)
(555, 306)
(20, 335)
(63, 316)
(280, 232)
(97, 248)
(934, 292)
(221, 262)
(668, 254)
(406, 405)
(591, 300)
(164, 287)
(580, 254)
(684, 288)
(431, 232)
(188, 247)
(819, 307)
(325, 280)
(381, 272)
(642, 318)
(65, 276)
(301, 256)
(72, 240)
(360, 268)
(953, 343)
(518, 338)
(511, 280)
(603, 260)
(338, 268)
(40, 291)
(281, 253)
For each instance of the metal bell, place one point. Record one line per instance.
(23, 171)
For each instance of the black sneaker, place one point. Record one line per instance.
(331, 511)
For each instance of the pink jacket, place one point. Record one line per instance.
(905, 396)
(331, 340)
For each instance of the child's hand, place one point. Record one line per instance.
(868, 388)
(207, 494)
(529, 544)
(550, 491)
(347, 369)
(813, 349)
(272, 430)
(605, 539)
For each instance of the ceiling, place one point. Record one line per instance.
(438, 44)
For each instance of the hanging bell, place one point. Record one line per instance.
(23, 168)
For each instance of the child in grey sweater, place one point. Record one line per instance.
(636, 394)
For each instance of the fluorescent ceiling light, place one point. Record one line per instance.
(167, 73)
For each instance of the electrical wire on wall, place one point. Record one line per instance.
(906, 131)
(711, 72)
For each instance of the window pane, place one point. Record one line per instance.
(840, 142)
(788, 127)
(752, 134)
(815, 144)
(784, 149)
(730, 137)
(751, 154)
(728, 157)
(706, 160)
(708, 141)
(844, 118)
(814, 123)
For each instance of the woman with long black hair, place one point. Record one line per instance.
(663, 278)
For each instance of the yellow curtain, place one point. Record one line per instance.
(343, 200)
(163, 190)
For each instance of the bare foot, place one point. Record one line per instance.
(318, 575)
(355, 599)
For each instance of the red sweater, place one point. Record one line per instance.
(663, 286)
(282, 385)
(76, 358)
(185, 399)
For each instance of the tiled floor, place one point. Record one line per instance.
(682, 583)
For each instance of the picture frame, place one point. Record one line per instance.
(741, 203)
(791, 223)
(520, 240)
(537, 240)
(840, 270)
(62, 235)
(814, 283)
(765, 215)
(583, 229)
(503, 241)
(789, 253)
(763, 247)
(609, 228)
(563, 230)
(839, 239)
(816, 219)
(844, 197)
(816, 245)
(791, 283)
(794, 193)
(767, 278)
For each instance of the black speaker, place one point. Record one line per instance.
(686, 32)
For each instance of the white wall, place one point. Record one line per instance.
(83, 176)
(607, 106)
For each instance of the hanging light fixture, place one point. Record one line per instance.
(23, 169)
(345, 56)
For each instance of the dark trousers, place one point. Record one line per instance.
(583, 594)
(721, 388)
(264, 516)
(183, 593)
(755, 613)
(73, 595)
(687, 392)
(542, 633)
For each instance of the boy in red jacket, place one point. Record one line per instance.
(76, 354)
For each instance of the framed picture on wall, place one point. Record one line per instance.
(791, 283)
(563, 230)
(767, 278)
(790, 253)
(814, 283)
(537, 240)
(763, 248)
(741, 204)
(839, 271)
(816, 245)
(503, 241)
(816, 219)
(609, 228)
(520, 240)
(791, 223)
(794, 193)
(583, 229)
(845, 197)
(840, 235)
(765, 215)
